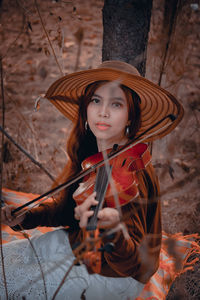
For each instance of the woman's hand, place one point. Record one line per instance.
(8, 219)
(106, 216)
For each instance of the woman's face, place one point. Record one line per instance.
(107, 115)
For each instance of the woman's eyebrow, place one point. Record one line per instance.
(112, 98)
(117, 98)
(96, 95)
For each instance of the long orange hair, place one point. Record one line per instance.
(82, 143)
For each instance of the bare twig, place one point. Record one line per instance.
(36, 5)
(79, 38)
(37, 258)
(3, 125)
(1, 180)
(172, 25)
(27, 154)
(13, 43)
(64, 278)
(26, 11)
(17, 110)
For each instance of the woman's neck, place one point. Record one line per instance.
(102, 145)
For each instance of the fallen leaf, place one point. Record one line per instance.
(69, 44)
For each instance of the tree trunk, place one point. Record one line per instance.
(126, 25)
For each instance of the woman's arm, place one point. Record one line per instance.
(58, 212)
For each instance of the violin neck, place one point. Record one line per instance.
(101, 184)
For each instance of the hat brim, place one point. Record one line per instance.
(156, 103)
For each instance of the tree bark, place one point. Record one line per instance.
(126, 25)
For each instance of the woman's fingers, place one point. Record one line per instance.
(108, 217)
(84, 219)
(6, 214)
(85, 206)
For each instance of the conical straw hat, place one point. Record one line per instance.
(156, 103)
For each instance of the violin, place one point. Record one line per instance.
(123, 176)
(122, 172)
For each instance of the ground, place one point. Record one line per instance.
(75, 30)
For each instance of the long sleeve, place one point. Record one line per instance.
(138, 256)
(58, 212)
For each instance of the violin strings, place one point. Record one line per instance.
(101, 184)
(100, 187)
(112, 185)
(105, 173)
(103, 176)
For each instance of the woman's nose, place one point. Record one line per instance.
(104, 111)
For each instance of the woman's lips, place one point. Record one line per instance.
(102, 126)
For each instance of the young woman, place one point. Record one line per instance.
(110, 105)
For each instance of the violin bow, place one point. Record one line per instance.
(74, 179)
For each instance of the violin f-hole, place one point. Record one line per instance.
(123, 163)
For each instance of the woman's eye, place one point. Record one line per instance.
(95, 100)
(116, 104)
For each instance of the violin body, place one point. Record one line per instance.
(124, 180)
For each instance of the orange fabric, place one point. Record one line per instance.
(19, 198)
(158, 286)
